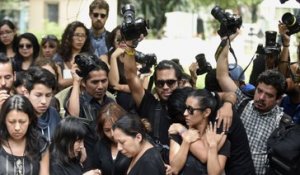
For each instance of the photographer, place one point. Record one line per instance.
(261, 115)
(267, 55)
(85, 104)
(117, 79)
(290, 102)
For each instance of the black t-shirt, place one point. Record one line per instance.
(193, 166)
(240, 161)
(73, 168)
(157, 114)
(150, 163)
(102, 159)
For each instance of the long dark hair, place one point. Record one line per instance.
(12, 26)
(68, 131)
(65, 49)
(36, 49)
(22, 104)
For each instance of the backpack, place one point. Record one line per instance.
(283, 146)
(284, 150)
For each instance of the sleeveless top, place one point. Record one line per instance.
(19, 165)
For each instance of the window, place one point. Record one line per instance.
(52, 12)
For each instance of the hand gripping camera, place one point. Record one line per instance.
(85, 63)
(132, 28)
(229, 22)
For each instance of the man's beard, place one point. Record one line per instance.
(98, 25)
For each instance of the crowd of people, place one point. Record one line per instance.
(79, 105)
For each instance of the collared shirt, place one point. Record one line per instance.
(259, 127)
(89, 107)
(99, 43)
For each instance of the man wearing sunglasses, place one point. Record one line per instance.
(98, 12)
(167, 75)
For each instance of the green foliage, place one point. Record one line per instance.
(50, 28)
(154, 10)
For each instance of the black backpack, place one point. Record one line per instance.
(283, 146)
(284, 149)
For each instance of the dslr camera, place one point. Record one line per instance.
(203, 65)
(132, 28)
(229, 22)
(85, 63)
(292, 23)
(146, 60)
(271, 47)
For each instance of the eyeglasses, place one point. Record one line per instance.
(161, 83)
(96, 15)
(25, 46)
(191, 110)
(79, 35)
(7, 32)
(49, 37)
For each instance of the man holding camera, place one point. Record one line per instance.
(261, 115)
(85, 103)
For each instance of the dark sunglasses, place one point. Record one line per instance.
(96, 15)
(191, 110)
(161, 83)
(50, 37)
(25, 46)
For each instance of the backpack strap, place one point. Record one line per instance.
(243, 105)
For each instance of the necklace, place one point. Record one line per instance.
(18, 162)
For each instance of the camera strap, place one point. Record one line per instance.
(220, 48)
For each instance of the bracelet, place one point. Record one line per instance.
(130, 52)
(228, 102)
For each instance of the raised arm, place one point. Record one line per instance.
(284, 55)
(74, 102)
(113, 75)
(225, 82)
(134, 82)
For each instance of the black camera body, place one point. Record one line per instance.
(85, 63)
(229, 22)
(132, 28)
(292, 23)
(203, 65)
(146, 60)
(271, 47)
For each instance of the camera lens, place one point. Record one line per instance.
(128, 14)
(288, 19)
(218, 13)
(271, 38)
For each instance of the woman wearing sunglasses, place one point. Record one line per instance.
(27, 52)
(200, 115)
(8, 38)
